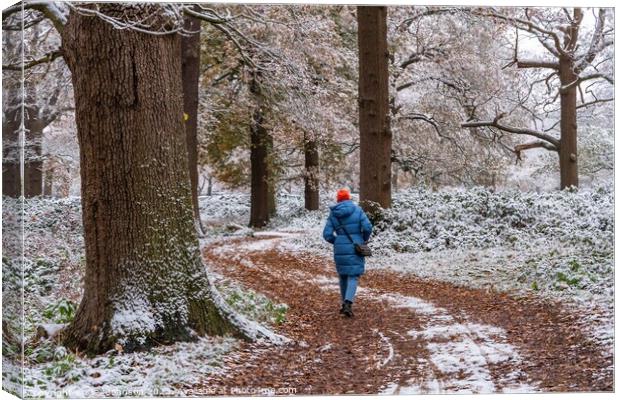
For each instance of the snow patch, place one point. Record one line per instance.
(258, 245)
(418, 305)
(386, 341)
(133, 317)
(466, 350)
(325, 347)
(49, 330)
(163, 370)
(280, 234)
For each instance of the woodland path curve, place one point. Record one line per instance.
(409, 335)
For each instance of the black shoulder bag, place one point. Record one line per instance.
(361, 249)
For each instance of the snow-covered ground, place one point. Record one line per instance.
(557, 245)
(53, 268)
(460, 349)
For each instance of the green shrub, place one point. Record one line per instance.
(61, 312)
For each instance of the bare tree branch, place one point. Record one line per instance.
(595, 44)
(582, 79)
(424, 55)
(593, 102)
(533, 145)
(524, 24)
(27, 25)
(210, 17)
(507, 128)
(49, 57)
(537, 64)
(430, 78)
(48, 8)
(433, 123)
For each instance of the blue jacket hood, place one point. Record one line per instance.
(343, 209)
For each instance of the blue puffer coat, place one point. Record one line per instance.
(351, 217)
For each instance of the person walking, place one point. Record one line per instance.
(347, 225)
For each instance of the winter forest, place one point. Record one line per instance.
(170, 174)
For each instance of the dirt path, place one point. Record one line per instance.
(408, 335)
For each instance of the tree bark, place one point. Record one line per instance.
(145, 282)
(48, 181)
(190, 55)
(34, 123)
(33, 172)
(311, 175)
(375, 134)
(568, 126)
(11, 181)
(262, 202)
(272, 189)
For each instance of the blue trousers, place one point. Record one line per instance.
(348, 286)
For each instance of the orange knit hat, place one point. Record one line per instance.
(343, 194)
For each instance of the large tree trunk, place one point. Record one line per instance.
(145, 281)
(568, 126)
(375, 134)
(190, 49)
(262, 202)
(311, 174)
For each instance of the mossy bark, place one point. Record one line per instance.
(145, 282)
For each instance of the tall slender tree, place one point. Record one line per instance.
(311, 175)
(262, 203)
(374, 122)
(190, 56)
